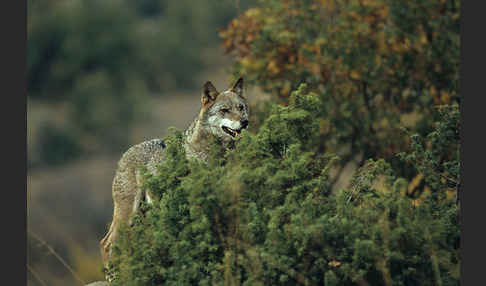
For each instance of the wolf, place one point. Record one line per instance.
(222, 117)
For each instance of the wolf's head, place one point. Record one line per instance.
(224, 114)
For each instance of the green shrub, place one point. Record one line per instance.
(263, 214)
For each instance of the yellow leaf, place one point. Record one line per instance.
(451, 194)
(384, 12)
(245, 62)
(415, 182)
(423, 39)
(407, 43)
(445, 97)
(334, 263)
(329, 4)
(286, 89)
(272, 67)
(316, 69)
(416, 202)
(253, 12)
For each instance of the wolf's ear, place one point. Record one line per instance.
(209, 93)
(238, 87)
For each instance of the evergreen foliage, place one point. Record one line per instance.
(264, 214)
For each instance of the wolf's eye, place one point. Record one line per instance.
(224, 110)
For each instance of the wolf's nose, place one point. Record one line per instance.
(244, 123)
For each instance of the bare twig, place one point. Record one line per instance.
(53, 252)
(36, 275)
(450, 179)
(355, 190)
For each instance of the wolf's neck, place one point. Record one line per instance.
(196, 142)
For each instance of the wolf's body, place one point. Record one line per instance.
(223, 115)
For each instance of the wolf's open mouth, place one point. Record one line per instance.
(231, 132)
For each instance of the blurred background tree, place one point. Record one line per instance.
(378, 65)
